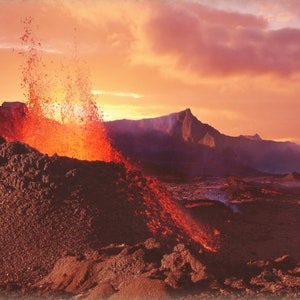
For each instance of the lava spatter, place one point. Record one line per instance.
(62, 116)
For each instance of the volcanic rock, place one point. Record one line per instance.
(132, 273)
(55, 205)
(144, 288)
(182, 268)
(101, 291)
(11, 118)
(277, 276)
(51, 205)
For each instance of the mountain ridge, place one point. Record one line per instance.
(188, 112)
(182, 134)
(181, 124)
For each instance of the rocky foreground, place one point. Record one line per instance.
(82, 230)
(147, 271)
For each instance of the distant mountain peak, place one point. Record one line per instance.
(188, 111)
(182, 125)
(194, 131)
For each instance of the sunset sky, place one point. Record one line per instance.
(235, 63)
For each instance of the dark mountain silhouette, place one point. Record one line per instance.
(182, 126)
(181, 144)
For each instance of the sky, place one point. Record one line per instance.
(235, 63)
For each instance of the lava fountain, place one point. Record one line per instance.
(63, 118)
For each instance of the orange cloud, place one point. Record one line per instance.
(215, 42)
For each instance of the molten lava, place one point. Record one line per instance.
(62, 118)
(167, 209)
(67, 123)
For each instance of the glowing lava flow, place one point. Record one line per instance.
(68, 123)
(168, 211)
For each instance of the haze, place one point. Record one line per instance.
(236, 64)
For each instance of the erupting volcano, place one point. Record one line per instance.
(63, 119)
(162, 207)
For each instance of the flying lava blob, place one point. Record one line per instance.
(62, 118)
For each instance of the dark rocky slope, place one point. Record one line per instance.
(50, 205)
(11, 119)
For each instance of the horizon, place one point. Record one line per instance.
(235, 65)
